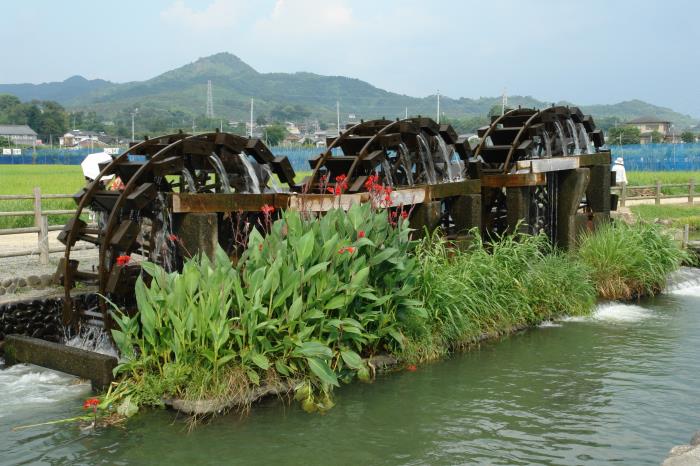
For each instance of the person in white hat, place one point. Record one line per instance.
(619, 169)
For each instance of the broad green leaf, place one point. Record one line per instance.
(360, 277)
(313, 349)
(305, 247)
(336, 302)
(321, 370)
(382, 256)
(314, 270)
(351, 358)
(295, 309)
(261, 361)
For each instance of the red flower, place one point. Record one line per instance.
(411, 368)
(123, 260)
(361, 234)
(330, 189)
(260, 247)
(91, 403)
(404, 214)
(267, 209)
(345, 249)
(394, 214)
(173, 237)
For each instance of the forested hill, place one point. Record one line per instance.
(182, 92)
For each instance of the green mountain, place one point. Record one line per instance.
(182, 92)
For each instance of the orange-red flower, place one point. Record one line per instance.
(349, 249)
(411, 368)
(361, 234)
(91, 403)
(123, 260)
(267, 209)
(404, 214)
(173, 237)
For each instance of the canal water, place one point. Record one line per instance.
(621, 386)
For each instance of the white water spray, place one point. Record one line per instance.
(253, 182)
(427, 159)
(574, 136)
(221, 173)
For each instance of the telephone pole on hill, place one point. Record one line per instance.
(210, 101)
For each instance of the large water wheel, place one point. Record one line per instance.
(525, 134)
(135, 220)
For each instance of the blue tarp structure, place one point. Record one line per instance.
(638, 157)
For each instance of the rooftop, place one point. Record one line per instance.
(647, 119)
(16, 130)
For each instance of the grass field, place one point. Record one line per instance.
(52, 179)
(678, 214)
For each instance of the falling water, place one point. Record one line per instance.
(547, 144)
(583, 136)
(253, 182)
(189, 180)
(221, 172)
(406, 162)
(162, 243)
(93, 339)
(274, 185)
(386, 168)
(427, 159)
(574, 136)
(560, 133)
(446, 156)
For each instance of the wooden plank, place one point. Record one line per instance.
(458, 188)
(547, 165)
(513, 181)
(206, 203)
(599, 158)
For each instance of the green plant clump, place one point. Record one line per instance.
(486, 290)
(628, 261)
(303, 307)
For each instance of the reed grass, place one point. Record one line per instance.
(629, 261)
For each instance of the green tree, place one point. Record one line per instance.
(275, 134)
(688, 136)
(656, 137)
(623, 135)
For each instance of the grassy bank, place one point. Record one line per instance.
(666, 177)
(310, 301)
(676, 215)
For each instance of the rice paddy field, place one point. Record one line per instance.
(68, 179)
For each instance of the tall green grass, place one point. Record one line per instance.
(679, 215)
(514, 282)
(628, 261)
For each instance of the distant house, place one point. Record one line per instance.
(647, 125)
(19, 134)
(79, 138)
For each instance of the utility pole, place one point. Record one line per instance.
(406, 114)
(193, 126)
(504, 101)
(438, 106)
(210, 101)
(337, 115)
(133, 114)
(251, 117)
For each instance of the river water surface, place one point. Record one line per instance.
(622, 386)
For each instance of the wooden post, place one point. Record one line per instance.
(44, 240)
(691, 190)
(42, 223)
(657, 201)
(686, 234)
(623, 194)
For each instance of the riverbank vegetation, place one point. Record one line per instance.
(674, 215)
(310, 302)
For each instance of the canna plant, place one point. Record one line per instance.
(306, 303)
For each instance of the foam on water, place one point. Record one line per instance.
(613, 313)
(549, 324)
(685, 282)
(24, 386)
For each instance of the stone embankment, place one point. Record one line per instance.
(685, 455)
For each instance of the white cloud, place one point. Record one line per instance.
(218, 14)
(306, 18)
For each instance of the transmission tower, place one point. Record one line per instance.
(210, 101)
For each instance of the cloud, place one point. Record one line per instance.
(218, 14)
(306, 18)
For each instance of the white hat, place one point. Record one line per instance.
(619, 161)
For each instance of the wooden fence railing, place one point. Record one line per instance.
(649, 192)
(41, 224)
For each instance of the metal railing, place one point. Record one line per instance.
(41, 224)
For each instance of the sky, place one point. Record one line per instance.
(586, 52)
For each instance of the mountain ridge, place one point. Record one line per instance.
(183, 89)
